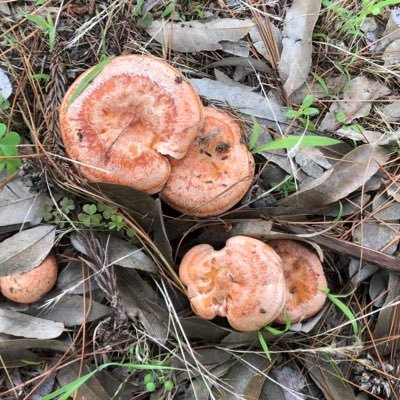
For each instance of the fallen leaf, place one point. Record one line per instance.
(71, 311)
(356, 102)
(195, 36)
(19, 207)
(246, 377)
(295, 62)
(258, 43)
(70, 280)
(221, 77)
(391, 111)
(392, 31)
(18, 324)
(26, 250)
(119, 252)
(313, 162)
(346, 176)
(385, 326)
(133, 290)
(252, 103)
(90, 390)
(385, 209)
(334, 84)
(378, 287)
(199, 328)
(239, 49)
(328, 378)
(5, 85)
(391, 55)
(292, 380)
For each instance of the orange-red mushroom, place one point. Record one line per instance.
(304, 276)
(135, 112)
(216, 172)
(243, 281)
(28, 287)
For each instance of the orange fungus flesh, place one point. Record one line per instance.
(135, 112)
(28, 287)
(304, 276)
(216, 172)
(243, 281)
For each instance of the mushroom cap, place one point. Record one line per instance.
(137, 110)
(28, 287)
(243, 281)
(304, 276)
(216, 172)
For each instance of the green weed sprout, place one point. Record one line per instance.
(47, 24)
(304, 113)
(9, 142)
(65, 392)
(342, 307)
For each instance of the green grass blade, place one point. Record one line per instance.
(69, 389)
(255, 134)
(342, 307)
(36, 20)
(88, 78)
(264, 345)
(292, 141)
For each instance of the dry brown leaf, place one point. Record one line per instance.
(346, 176)
(194, 36)
(18, 324)
(295, 62)
(355, 102)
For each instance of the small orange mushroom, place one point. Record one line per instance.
(216, 172)
(28, 287)
(243, 281)
(304, 276)
(135, 112)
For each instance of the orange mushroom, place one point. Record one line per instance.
(28, 287)
(135, 112)
(216, 172)
(304, 276)
(243, 281)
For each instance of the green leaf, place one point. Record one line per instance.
(40, 2)
(41, 76)
(308, 100)
(146, 20)
(36, 20)
(3, 129)
(342, 307)
(292, 141)
(89, 209)
(88, 78)
(12, 164)
(168, 10)
(310, 111)
(341, 117)
(11, 139)
(264, 345)
(255, 134)
(292, 114)
(138, 8)
(320, 80)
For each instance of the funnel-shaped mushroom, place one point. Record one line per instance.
(216, 172)
(28, 287)
(137, 110)
(304, 276)
(243, 281)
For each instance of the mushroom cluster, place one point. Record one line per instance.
(28, 287)
(252, 283)
(139, 123)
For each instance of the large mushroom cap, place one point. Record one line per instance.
(216, 172)
(28, 287)
(304, 276)
(135, 111)
(243, 281)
